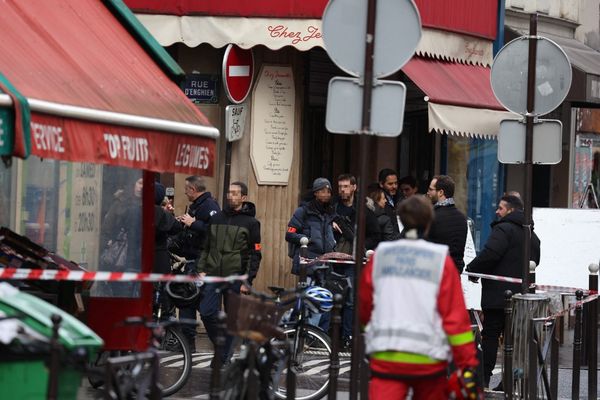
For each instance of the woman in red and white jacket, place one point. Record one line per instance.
(412, 305)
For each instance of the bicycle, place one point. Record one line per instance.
(310, 352)
(172, 352)
(254, 319)
(167, 343)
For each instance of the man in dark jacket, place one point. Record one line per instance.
(344, 230)
(232, 248)
(449, 225)
(502, 256)
(195, 221)
(388, 181)
(189, 242)
(313, 220)
(346, 214)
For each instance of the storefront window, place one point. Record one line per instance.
(586, 172)
(88, 213)
(473, 163)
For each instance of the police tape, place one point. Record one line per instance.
(315, 261)
(572, 306)
(494, 277)
(105, 276)
(546, 288)
(561, 289)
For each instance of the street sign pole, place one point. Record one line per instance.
(365, 145)
(528, 178)
(226, 173)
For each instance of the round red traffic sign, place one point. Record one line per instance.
(238, 73)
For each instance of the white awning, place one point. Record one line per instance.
(303, 34)
(273, 33)
(466, 121)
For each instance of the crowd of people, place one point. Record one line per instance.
(411, 301)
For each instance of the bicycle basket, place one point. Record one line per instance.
(247, 316)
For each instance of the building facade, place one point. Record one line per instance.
(451, 115)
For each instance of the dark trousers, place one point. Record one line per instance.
(209, 309)
(348, 307)
(493, 327)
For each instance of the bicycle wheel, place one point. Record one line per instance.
(310, 362)
(234, 385)
(175, 361)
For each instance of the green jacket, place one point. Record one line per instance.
(232, 244)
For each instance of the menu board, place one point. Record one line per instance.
(272, 138)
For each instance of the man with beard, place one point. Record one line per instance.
(388, 181)
(232, 248)
(344, 232)
(502, 255)
(449, 225)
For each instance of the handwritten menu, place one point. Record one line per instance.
(272, 140)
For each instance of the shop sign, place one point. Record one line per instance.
(7, 127)
(201, 88)
(84, 141)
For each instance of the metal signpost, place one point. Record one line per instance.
(390, 31)
(238, 76)
(537, 67)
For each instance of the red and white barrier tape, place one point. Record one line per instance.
(592, 294)
(562, 289)
(494, 277)
(546, 288)
(313, 261)
(572, 307)
(64, 275)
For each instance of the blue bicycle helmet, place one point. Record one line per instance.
(320, 300)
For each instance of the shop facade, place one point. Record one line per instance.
(451, 115)
(572, 183)
(89, 114)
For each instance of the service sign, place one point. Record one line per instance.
(201, 88)
(235, 121)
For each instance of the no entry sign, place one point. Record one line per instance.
(238, 72)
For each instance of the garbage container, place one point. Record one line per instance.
(25, 345)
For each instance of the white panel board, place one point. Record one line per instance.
(569, 243)
(569, 240)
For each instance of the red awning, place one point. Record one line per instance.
(460, 98)
(95, 95)
(453, 83)
(471, 17)
(458, 30)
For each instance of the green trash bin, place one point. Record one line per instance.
(24, 368)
